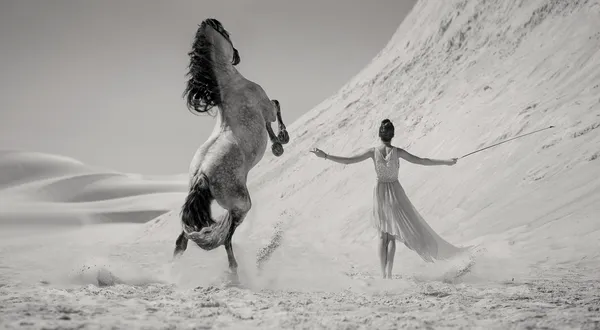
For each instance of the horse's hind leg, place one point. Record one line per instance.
(237, 217)
(235, 198)
(180, 245)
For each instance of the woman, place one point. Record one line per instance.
(394, 215)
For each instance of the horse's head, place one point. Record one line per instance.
(211, 52)
(221, 40)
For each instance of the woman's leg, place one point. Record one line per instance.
(383, 253)
(391, 252)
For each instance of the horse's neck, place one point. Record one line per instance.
(234, 90)
(227, 75)
(229, 80)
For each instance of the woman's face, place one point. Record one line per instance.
(387, 134)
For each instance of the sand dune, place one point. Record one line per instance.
(18, 167)
(455, 77)
(38, 188)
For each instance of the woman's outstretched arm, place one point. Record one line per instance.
(345, 160)
(424, 161)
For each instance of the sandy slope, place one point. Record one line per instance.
(457, 75)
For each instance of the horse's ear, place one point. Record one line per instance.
(236, 57)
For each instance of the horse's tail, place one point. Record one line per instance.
(196, 218)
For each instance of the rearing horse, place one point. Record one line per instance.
(220, 167)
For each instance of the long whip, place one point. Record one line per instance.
(499, 143)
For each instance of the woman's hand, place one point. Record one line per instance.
(452, 161)
(319, 153)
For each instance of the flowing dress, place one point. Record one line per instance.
(393, 213)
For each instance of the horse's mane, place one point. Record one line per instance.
(202, 90)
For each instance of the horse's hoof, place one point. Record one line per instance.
(277, 149)
(283, 137)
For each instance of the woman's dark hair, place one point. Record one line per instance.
(386, 130)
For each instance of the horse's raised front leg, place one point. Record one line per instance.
(282, 136)
(276, 148)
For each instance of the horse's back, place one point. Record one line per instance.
(233, 153)
(225, 165)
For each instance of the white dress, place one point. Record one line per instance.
(393, 213)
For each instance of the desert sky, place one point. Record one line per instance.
(101, 81)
